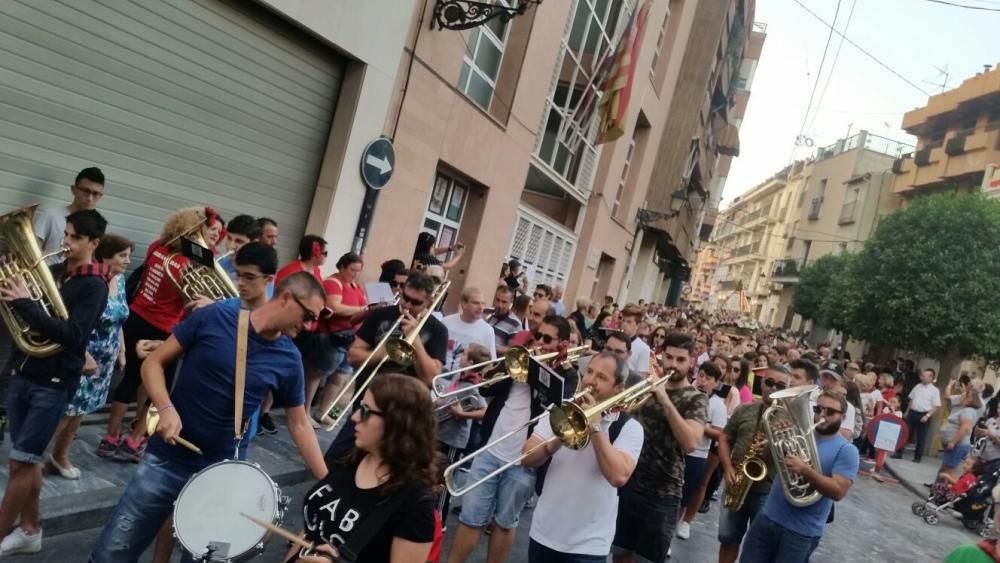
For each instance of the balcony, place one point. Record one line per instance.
(786, 271)
(814, 208)
(961, 160)
(847, 213)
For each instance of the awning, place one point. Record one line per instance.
(729, 140)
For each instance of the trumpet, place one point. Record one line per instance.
(398, 350)
(515, 360)
(570, 425)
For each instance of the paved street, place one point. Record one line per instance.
(873, 524)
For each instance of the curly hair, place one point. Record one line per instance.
(408, 440)
(182, 221)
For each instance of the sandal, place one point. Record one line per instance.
(72, 473)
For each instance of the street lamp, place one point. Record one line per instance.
(677, 202)
(467, 14)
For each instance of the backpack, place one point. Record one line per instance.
(613, 431)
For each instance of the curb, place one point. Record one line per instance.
(904, 482)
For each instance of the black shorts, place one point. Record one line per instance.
(136, 328)
(645, 525)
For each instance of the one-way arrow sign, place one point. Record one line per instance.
(377, 163)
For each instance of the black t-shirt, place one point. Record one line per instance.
(433, 334)
(335, 506)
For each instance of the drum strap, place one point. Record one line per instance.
(242, 332)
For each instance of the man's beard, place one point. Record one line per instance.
(677, 375)
(828, 428)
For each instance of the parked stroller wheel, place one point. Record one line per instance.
(986, 529)
(918, 508)
(971, 523)
(931, 518)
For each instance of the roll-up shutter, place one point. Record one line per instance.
(180, 102)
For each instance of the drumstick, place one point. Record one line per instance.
(281, 532)
(188, 445)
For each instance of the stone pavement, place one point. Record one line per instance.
(69, 506)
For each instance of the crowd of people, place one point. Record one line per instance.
(292, 338)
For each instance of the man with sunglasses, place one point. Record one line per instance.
(200, 407)
(504, 322)
(733, 443)
(50, 222)
(787, 533)
(503, 497)
(619, 345)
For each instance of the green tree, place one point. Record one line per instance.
(818, 295)
(929, 280)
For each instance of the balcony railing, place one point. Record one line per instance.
(814, 208)
(847, 213)
(787, 268)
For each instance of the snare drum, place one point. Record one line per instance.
(207, 515)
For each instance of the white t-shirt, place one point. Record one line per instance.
(638, 360)
(717, 417)
(925, 397)
(461, 334)
(872, 399)
(49, 225)
(578, 508)
(515, 412)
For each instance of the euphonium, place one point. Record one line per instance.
(22, 259)
(198, 280)
(789, 425)
(751, 469)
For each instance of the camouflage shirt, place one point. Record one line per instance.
(660, 470)
(740, 430)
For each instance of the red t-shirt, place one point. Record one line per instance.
(293, 268)
(158, 300)
(964, 483)
(352, 295)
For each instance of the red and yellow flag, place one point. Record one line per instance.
(617, 86)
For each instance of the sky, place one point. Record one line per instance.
(910, 36)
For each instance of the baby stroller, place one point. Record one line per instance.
(972, 506)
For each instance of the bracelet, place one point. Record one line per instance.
(166, 406)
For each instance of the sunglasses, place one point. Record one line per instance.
(770, 382)
(660, 336)
(394, 284)
(307, 315)
(412, 301)
(547, 339)
(366, 412)
(827, 411)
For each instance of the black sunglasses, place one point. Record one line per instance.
(307, 315)
(770, 382)
(366, 411)
(412, 301)
(828, 411)
(544, 338)
(395, 284)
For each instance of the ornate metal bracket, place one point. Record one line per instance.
(467, 14)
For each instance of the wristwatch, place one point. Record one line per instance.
(595, 427)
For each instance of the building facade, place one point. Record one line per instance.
(958, 136)
(258, 107)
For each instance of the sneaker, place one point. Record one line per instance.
(108, 446)
(20, 541)
(130, 451)
(683, 530)
(71, 473)
(266, 424)
(704, 507)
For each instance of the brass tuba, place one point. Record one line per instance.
(789, 425)
(21, 258)
(198, 280)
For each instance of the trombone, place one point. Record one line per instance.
(398, 350)
(515, 360)
(570, 425)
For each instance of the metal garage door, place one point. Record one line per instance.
(180, 102)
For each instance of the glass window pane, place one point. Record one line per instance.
(488, 58)
(438, 196)
(463, 76)
(456, 203)
(549, 137)
(431, 226)
(499, 28)
(470, 47)
(593, 39)
(579, 25)
(479, 90)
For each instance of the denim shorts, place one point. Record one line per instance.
(502, 497)
(33, 413)
(954, 457)
(733, 525)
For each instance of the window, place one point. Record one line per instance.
(849, 210)
(967, 125)
(935, 139)
(624, 179)
(545, 250)
(444, 211)
(481, 63)
(569, 124)
(659, 44)
(993, 119)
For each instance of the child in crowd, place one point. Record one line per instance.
(972, 468)
(893, 407)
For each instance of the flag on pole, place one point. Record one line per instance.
(618, 85)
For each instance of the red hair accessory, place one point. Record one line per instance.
(210, 216)
(316, 249)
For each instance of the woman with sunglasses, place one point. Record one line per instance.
(384, 486)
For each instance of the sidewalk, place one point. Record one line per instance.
(73, 505)
(912, 475)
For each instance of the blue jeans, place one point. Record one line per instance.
(538, 553)
(769, 541)
(33, 413)
(733, 524)
(143, 508)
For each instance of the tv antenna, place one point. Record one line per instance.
(942, 75)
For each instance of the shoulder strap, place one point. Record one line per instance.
(368, 527)
(242, 332)
(616, 427)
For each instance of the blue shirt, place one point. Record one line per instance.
(203, 394)
(837, 457)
